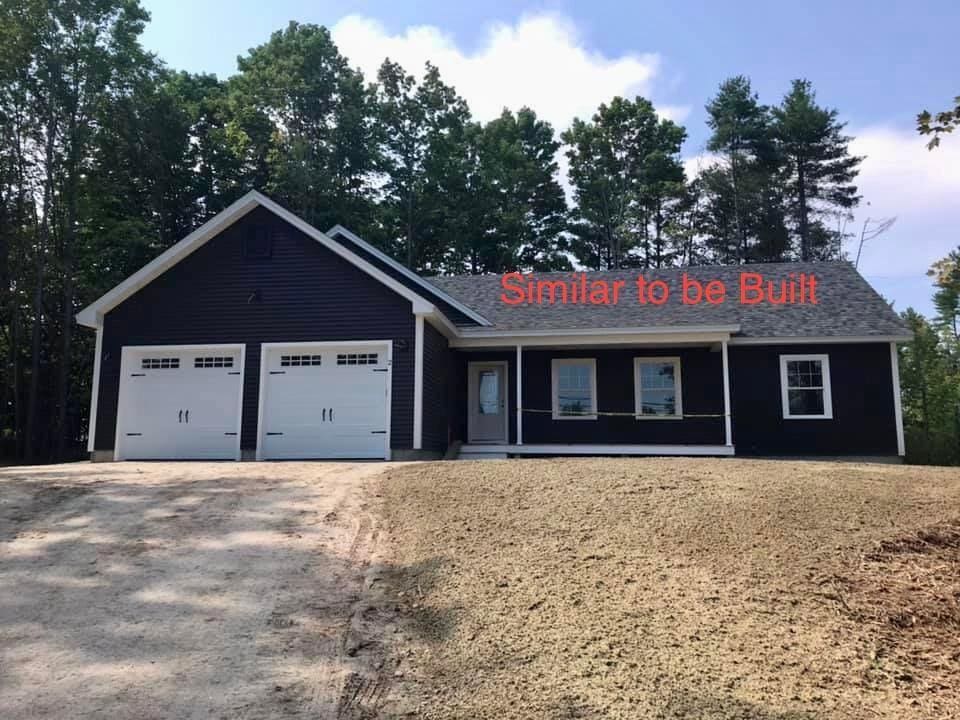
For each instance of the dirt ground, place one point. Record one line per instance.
(189, 590)
(675, 588)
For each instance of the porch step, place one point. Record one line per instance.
(482, 456)
(482, 452)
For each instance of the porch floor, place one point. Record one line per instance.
(476, 451)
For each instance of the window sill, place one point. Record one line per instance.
(808, 417)
(658, 417)
(574, 417)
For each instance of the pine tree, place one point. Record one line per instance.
(820, 169)
(742, 215)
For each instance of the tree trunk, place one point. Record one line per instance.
(802, 210)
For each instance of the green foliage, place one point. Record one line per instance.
(930, 386)
(939, 124)
(820, 171)
(628, 181)
(743, 217)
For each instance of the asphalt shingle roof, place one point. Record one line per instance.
(847, 304)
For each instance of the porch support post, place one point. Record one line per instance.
(519, 394)
(95, 392)
(897, 407)
(418, 384)
(727, 425)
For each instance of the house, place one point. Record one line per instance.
(258, 336)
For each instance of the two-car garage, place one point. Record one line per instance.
(316, 400)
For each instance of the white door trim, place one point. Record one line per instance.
(127, 350)
(471, 395)
(265, 348)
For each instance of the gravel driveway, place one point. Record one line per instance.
(187, 590)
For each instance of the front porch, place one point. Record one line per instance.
(655, 393)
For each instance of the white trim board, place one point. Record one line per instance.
(592, 338)
(418, 341)
(95, 392)
(92, 315)
(897, 403)
(820, 340)
(407, 273)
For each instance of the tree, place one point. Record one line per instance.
(930, 386)
(820, 169)
(939, 124)
(946, 299)
(626, 170)
(525, 212)
(423, 159)
(742, 218)
(321, 149)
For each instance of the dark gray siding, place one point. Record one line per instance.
(437, 359)
(701, 382)
(302, 292)
(454, 315)
(863, 411)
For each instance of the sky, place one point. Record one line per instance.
(878, 63)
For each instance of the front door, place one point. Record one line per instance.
(487, 415)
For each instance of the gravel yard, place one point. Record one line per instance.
(187, 590)
(676, 588)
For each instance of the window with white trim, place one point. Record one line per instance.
(656, 384)
(575, 389)
(805, 387)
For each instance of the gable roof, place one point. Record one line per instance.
(848, 307)
(92, 315)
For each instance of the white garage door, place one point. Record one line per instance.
(180, 403)
(324, 401)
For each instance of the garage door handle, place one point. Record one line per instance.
(270, 433)
(186, 417)
(331, 414)
(323, 415)
(378, 432)
(180, 417)
(380, 370)
(278, 372)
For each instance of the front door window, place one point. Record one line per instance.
(489, 392)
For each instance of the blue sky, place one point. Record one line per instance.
(878, 63)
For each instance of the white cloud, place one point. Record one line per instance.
(540, 61)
